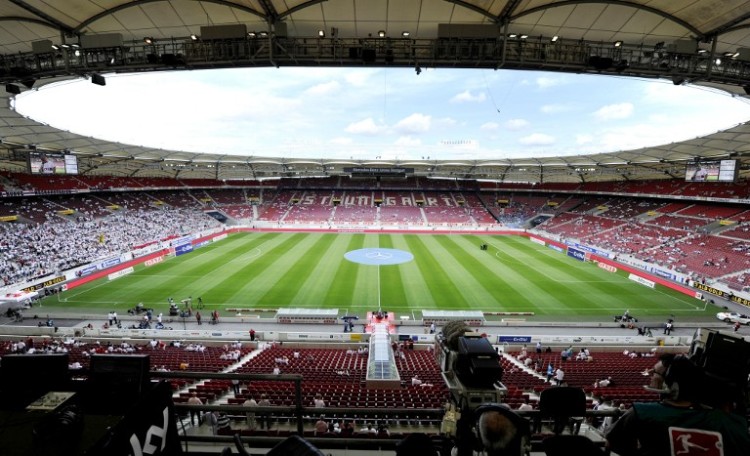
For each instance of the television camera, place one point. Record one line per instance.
(471, 368)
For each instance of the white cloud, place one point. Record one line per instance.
(365, 127)
(546, 82)
(555, 108)
(615, 111)
(341, 141)
(516, 124)
(467, 97)
(358, 78)
(413, 124)
(408, 141)
(490, 126)
(537, 139)
(324, 88)
(584, 139)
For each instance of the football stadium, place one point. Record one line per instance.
(306, 274)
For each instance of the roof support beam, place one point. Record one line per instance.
(135, 3)
(41, 14)
(474, 8)
(30, 20)
(301, 6)
(649, 9)
(508, 10)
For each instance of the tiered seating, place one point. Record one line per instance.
(630, 208)
(134, 201)
(633, 237)
(238, 211)
(274, 209)
(338, 375)
(708, 256)
(710, 212)
(38, 210)
(741, 231)
(301, 213)
(223, 197)
(580, 226)
(674, 221)
(590, 204)
(400, 215)
(739, 282)
(46, 183)
(447, 216)
(87, 205)
(176, 198)
(355, 215)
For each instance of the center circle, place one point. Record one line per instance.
(378, 256)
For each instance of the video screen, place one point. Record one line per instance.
(711, 171)
(59, 164)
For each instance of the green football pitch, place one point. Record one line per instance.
(447, 272)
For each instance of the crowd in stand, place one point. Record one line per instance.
(29, 251)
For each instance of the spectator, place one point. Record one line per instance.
(251, 403)
(194, 400)
(321, 427)
(679, 421)
(318, 402)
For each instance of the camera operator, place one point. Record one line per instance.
(681, 423)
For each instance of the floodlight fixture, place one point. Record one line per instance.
(618, 43)
(12, 89)
(148, 40)
(55, 47)
(98, 79)
(555, 38)
(512, 35)
(194, 37)
(264, 33)
(524, 36)
(321, 33)
(251, 34)
(381, 33)
(405, 33)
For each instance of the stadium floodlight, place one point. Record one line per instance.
(98, 79)
(321, 33)
(381, 33)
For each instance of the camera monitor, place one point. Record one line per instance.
(25, 378)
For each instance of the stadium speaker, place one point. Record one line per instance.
(12, 88)
(98, 79)
(368, 55)
(600, 63)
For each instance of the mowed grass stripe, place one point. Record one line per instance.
(403, 285)
(464, 278)
(194, 272)
(594, 291)
(525, 277)
(340, 290)
(366, 286)
(244, 287)
(574, 281)
(314, 289)
(281, 280)
(516, 273)
(442, 288)
(492, 275)
(152, 286)
(228, 282)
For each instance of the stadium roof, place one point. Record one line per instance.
(704, 42)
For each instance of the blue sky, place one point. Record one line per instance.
(391, 113)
